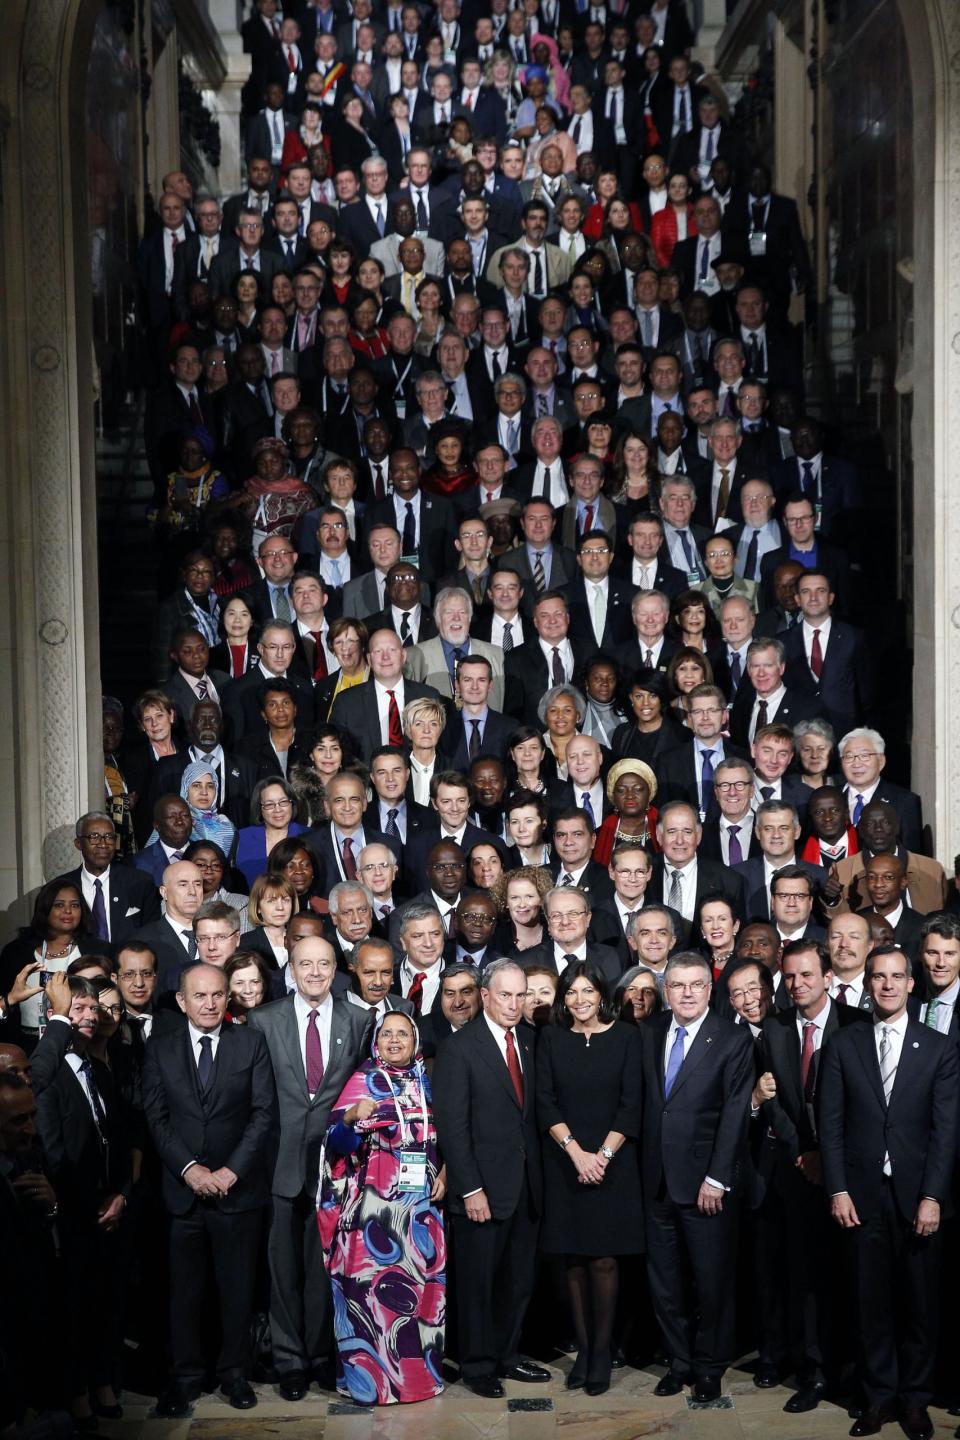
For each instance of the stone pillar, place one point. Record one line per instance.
(224, 15)
(713, 18)
(933, 48)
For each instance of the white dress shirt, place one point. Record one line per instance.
(774, 701)
(89, 893)
(688, 886)
(431, 982)
(808, 629)
(895, 1035)
(819, 1021)
(853, 992)
(516, 630)
(566, 659)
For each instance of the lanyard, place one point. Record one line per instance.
(405, 1136)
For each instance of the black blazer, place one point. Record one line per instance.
(711, 875)
(527, 679)
(758, 898)
(231, 1124)
(794, 708)
(677, 773)
(918, 1129)
(320, 839)
(453, 741)
(171, 955)
(618, 627)
(83, 1171)
(788, 1115)
(242, 712)
(846, 688)
(906, 932)
(355, 711)
(701, 1128)
(830, 559)
(907, 806)
(133, 899)
(605, 958)
(490, 1142)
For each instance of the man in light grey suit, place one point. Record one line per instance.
(315, 1044)
(435, 661)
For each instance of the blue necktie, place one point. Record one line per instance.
(706, 779)
(858, 810)
(685, 542)
(675, 1060)
(806, 484)
(750, 568)
(588, 809)
(205, 1063)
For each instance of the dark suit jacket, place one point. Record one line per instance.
(604, 957)
(131, 898)
(786, 245)
(421, 819)
(595, 881)
(171, 955)
(757, 896)
(356, 711)
(241, 778)
(436, 554)
(830, 559)
(321, 840)
(230, 1124)
(700, 1129)
(298, 1140)
(618, 627)
(846, 688)
(907, 806)
(453, 741)
(796, 706)
(242, 711)
(677, 773)
(918, 1129)
(527, 678)
(906, 932)
(789, 1115)
(383, 620)
(667, 577)
(839, 492)
(490, 1141)
(184, 698)
(228, 264)
(415, 853)
(711, 875)
(82, 1170)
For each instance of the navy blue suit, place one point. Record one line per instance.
(845, 689)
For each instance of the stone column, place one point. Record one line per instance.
(223, 14)
(713, 18)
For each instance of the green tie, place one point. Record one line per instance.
(281, 604)
(931, 1016)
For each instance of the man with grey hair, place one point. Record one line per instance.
(366, 222)
(351, 910)
(862, 759)
(684, 541)
(587, 509)
(485, 1111)
(652, 935)
(377, 867)
(437, 662)
(698, 1077)
(120, 898)
(422, 939)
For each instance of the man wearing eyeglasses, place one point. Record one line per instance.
(276, 648)
(568, 912)
(795, 1234)
(698, 1077)
(728, 835)
(121, 898)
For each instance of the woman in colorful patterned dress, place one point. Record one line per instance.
(381, 1229)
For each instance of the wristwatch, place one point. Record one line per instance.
(606, 1152)
(567, 1140)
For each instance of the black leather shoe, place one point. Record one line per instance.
(175, 1402)
(915, 1422)
(618, 1360)
(766, 1375)
(598, 1376)
(577, 1376)
(486, 1386)
(528, 1372)
(873, 1419)
(808, 1397)
(294, 1385)
(670, 1384)
(705, 1390)
(239, 1394)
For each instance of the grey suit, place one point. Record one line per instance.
(300, 1309)
(427, 663)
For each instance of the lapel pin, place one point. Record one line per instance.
(916, 1044)
(709, 1039)
(339, 1041)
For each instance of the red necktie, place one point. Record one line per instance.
(841, 995)
(196, 414)
(470, 100)
(349, 864)
(513, 1065)
(588, 519)
(807, 1073)
(314, 1055)
(291, 61)
(816, 655)
(320, 671)
(415, 993)
(394, 728)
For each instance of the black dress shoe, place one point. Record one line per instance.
(294, 1385)
(106, 1412)
(325, 1375)
(670, 1384)
(175, 1402)
(598, 1376)
(873, 1419)
(705, 1389)
(486, 1386)
(617, 1358)
(766, 1375)
(528, 1372)
(915, 1422)
(239, 1394)
(808, 1397)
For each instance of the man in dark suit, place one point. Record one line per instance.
(277, 648)
(885, 881)
(338, 842)
(372, 712)
(686, 773)
(236, 775)
(210, 1103)
(594, 587)
(831, 483)
(862, 759)
(621, 108)
(680, 877)
(773, 352)
(827, 659)
(569, 915)
(888, 1140)
(485, 1113)
(798, 518)
(425, 523)
(539, 551)
(648, 567)
(121, 899)
(698, 1076)
(80, 1121)
(315, 1044)
(393, 810)
(549, 658)
(248, 255)
(793, 1235)
(475, 729)
(762, 697)
(178, 407)
(776, 827)
(766, 227)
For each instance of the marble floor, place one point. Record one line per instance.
(628, 1411)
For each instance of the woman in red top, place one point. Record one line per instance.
(631, 786)
(596, 223)
(236, 652)
(451, 474)
(298, 143)
(674, 222)
(366, 337)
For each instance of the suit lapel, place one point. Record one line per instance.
(291, 1038)
(787, 1041)
(866, 1047)
(702, 1044)
(490, 1051)
(915, 1044)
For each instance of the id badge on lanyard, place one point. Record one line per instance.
(758, 242)
(412, 1177)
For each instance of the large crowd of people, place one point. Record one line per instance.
(500, 940)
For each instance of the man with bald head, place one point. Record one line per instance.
(172, 939)
(316, 1041)
(849, 941)
(214, 1179)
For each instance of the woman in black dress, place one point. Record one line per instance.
(652, 730)
(588, 1098)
